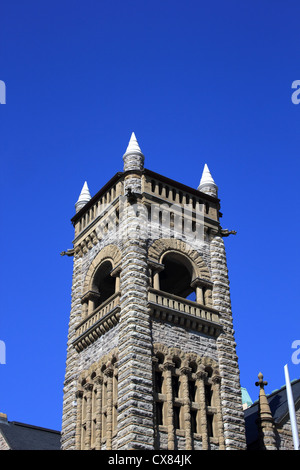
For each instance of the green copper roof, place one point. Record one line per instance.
(246, 397)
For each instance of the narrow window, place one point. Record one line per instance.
(194, 421)
(210, 425)
(192, 390)
(208, 395)
(159, 413)
(175, 386)
(158, 381)
(176, 416)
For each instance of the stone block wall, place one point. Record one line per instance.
(133, 254)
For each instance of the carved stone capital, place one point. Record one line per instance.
(199, 282)
(98, 380)
(216, 379)
(79, 394)
(90, 295)
(88, 387)
(201, 374)
(155, 266)
(116, 271)
(168, 364)
(185, 370)
(109, 371)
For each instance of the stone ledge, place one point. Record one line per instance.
(98, 329)
(185, 320)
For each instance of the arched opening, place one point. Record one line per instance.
(104, 283)
(176, 276)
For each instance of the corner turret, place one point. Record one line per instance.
(133, 157)
(84, 197)
(207, 184)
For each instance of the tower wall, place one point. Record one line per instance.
(135, 393)
(233, 416)
(147, 367)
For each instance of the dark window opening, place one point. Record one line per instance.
(210, 426)
(159, 413)
(175, 386)
(176, 277)
(104, 283)
(176, 417)
(203, 295)
(158, 382)
(208, 395)
(194, 421)
(192, 390)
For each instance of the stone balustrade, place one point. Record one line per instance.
(184, 312)
(102, 319)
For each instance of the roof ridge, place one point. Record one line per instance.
(40, 428)
(276, 391)
(283, 387)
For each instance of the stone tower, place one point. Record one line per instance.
(151, 360)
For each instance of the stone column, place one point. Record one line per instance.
(99, 385)
(185, 371)
(88, 302)
(199, 295)
(116, 274)
(79, 396)
(109, 371)
(156, 268)
(93, 297)
(168, 367)
(216, 379)
(84, 308)
(200, 377)
(115, 400)
(88, 388)
(208, 297)
(198, 286)
(118, 283)
(156, 281)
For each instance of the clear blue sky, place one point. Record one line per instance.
(198, 82)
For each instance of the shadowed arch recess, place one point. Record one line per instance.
(108, 253)
(160, 247)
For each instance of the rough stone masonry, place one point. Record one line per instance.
(151, 360)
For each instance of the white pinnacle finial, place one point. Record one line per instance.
(133, 157)
(133, 146)
(84, 197)
(207, 184)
